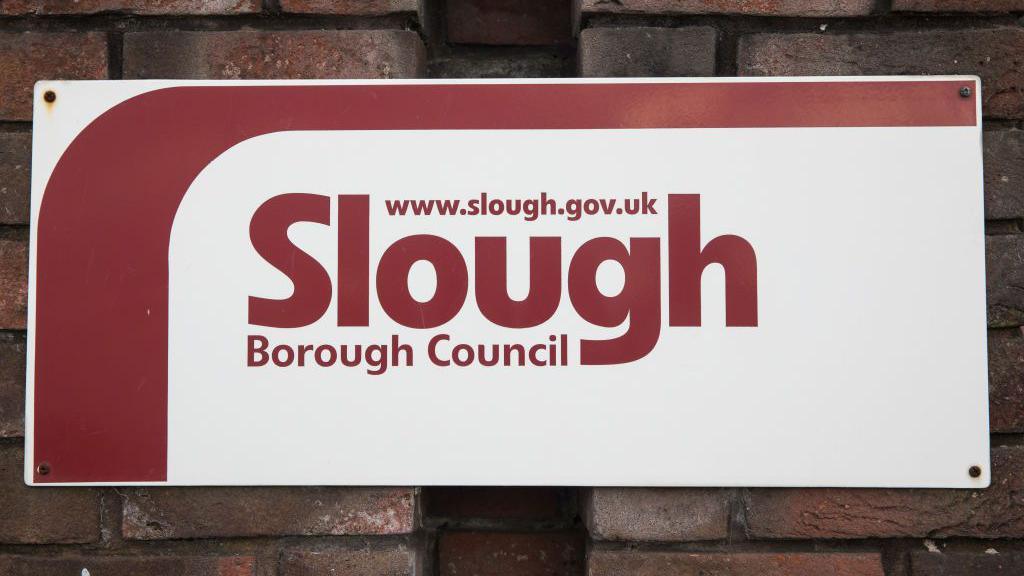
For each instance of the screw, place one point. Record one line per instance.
(43, 468)
(974, 471)
(50, 96)
(965, 91)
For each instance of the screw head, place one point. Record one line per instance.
(974, 471)
(50, 96)
(43, 469)
(965, 91)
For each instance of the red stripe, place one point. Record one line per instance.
(104, 224)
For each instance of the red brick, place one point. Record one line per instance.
(274, 54)
(958, 5)
(15, 158)
(49, 515)
(816, 8)
(161, 513)
(1004, 173)
(877, 513)
(350, 7)
(967, 564)
(390, 560)
(657, 514)
(644, 51)
(523, 503)
(26, 57)
(12, 384)
(13, 283)
(510, 554)
(1006, 380)
(1004, 275)
(647, 563)
(127, 565)
(513, 22)
(991, 53)
(150, 7)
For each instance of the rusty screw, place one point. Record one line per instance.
(43, 469)
(965, 91)
(974, 471)
(50, 96)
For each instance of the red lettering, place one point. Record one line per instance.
(639, 300)
(268, 232)
(687, 263)
(492, 282)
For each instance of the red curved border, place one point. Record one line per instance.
(100, 412)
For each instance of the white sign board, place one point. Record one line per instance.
(717, 282)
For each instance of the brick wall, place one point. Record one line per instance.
(519, 531)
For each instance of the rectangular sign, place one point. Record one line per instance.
(692, 282)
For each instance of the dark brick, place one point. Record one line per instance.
(26, 57)
(994, 54)
(966, 564)
(349, 7)
(392, 560)
(958, 5)
(648, 563)
(509, 554)
(511, 22)
(647, 51)
(657, 514)
(159, 513)
(127, 566)
(816, 8)
(1004, 275)
(274, 54)
(995, 512)
(169, 7)
(552, 64)
(1004, 174)
(12, 384)
(1006, 380)
(50, 515)
(522, 503)
(15, 158)
(13, 284)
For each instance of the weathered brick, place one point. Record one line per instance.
(523, 503)
(26, 57)
(146, 7)
(43, 515)
(13, 283)
(1004, 173)
(991, 53)
(995, 512)
(966, 564)
(349, 7)
(391, 560)
(1006, 380)
(657, 514)
(644, 51)
(15, 158)
(514, 22)
(647, 563)
(127, 565)
(159, 513)
(958, 5)
(816, 8)
(274, 54)
(12, 384)
(553, 64)
(510, 554)
(1004, 276)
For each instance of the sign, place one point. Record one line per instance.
(720, 282)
